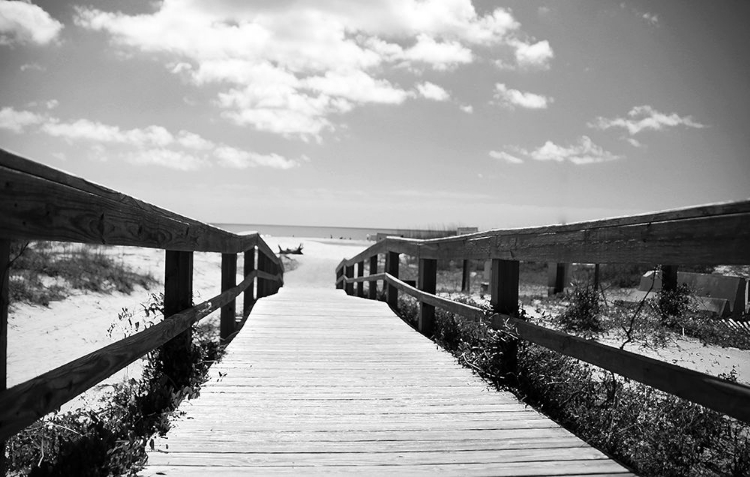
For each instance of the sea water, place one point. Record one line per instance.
(349, 233)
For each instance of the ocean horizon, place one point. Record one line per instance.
(348, 233)
(329, 232)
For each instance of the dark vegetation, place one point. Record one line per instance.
(652, 432)
(87, 268)
(112, 440)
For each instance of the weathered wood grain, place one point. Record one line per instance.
(4, 303)
(320, 382)
(24, 403)
(228, 281)
(710, 234)
(727, 397)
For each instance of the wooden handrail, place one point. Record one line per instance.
(712, 234)
(38, 202)
(716, 234)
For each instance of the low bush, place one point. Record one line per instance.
(112, 440)
(652, 432)
(88, 268)
(583, 315)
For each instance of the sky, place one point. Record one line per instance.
(385, 113)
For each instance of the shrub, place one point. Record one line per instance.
(584, 313)
(88, 268)
(113, 439)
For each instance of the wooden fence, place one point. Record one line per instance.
(41, 203)
(710, 235)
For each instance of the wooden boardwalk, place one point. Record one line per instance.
(321, 383)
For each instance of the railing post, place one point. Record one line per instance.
(349, 274)
(557, 277)
(339, 274)
(372, 287)
(228, 280)
(504, 286)
(669, 277)
(361, 273)
(391, 268)
(262, 267)
(4, 304)
(248, 267)
(427, 283)
(178, 296)
(466, 277)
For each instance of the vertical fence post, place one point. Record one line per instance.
(4, 303)
(669, 277)
(228, 280)
(262, 282)
(557, 277)
(248, 299)
(504, 285)
(466, 277)
(339, 274)
(427, 283)
(178, 296)
(372, 287)
(596, 278)
(391, 268)
(349, 274)
(361, 273)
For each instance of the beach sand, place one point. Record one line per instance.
(43, 338)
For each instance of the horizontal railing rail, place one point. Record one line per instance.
(710, 235)
(38, 202)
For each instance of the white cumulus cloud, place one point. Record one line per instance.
(290, 68)
(22, 22)
(17, 121)
(504, 156)
(511, 98)
(581, 153)
(644, 118)
(432, 91)
(153, 144)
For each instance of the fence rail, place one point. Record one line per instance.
(41, 203)
(716, 234)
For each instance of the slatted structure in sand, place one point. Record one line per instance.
(321, 383)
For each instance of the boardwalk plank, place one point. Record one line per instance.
(321, 383)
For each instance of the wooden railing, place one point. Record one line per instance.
(41, 203)
(710, 235)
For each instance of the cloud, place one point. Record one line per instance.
(651, 18)
(22, 23)
(153, 144)
(440, 55)
(537, 55)
(643, 118)
(240, 159)
(510, 98)
(467, 108)
(292, 69)
(432, 91)
(584, 152)
(31, 66)
(504, 156)
(17, 121)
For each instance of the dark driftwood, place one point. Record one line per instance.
(290, 251)
(24, 403)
